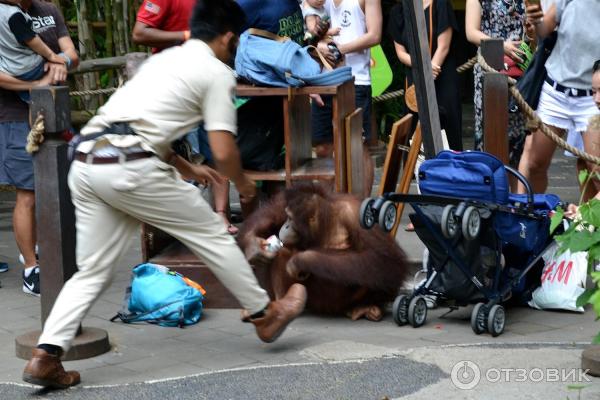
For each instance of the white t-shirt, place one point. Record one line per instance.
(170, 94)
(353, 23)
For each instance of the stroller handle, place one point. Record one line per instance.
(524, 181)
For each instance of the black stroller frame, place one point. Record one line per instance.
(412, 309)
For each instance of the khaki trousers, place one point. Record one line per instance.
(110, 201)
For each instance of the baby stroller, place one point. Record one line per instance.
(485, 244)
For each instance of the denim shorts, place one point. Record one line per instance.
(321, 117)
(16, 165)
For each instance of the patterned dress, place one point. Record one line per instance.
(501, 19)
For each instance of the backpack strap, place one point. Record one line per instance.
(314, 51)
(267, 35)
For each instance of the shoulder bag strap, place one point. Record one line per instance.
(267, 35)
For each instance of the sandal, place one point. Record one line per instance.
(409, 227)
(231, 229)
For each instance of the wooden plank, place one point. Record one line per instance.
(393, 157)
(495, 101)
(245, 90)
(495, 115)
(343, 105)
(407, 174)
(354, 153)
(298, 143)
(315, 169)
(423, 78)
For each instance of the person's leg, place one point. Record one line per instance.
(163, 200)
(24, 225)
(322, 127)
(363, 99)
(18, 167)
(536, 159)
(103, 236)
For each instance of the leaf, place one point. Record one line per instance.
(582, 240)
(595, 276)
(584, 298)
(556, 219)
(590, 212)
(583, 175)
(596, 339)
(595, 301)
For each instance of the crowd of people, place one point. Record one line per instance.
(193, 42)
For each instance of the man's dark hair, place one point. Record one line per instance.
(212, 18)
(596, 67)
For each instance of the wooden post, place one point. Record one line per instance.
(55, 220)
(423, 78)
(495, 101)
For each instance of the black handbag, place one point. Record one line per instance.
(530, 84)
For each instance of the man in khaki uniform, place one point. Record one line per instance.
(118, 180)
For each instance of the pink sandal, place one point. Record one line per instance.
(231, 229)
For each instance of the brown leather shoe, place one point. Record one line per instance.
(280, 313)
(46, 370)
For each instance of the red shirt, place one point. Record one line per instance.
(166, 15)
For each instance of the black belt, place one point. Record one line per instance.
(567, 90)
(83, 157)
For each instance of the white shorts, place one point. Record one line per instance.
(565, 112)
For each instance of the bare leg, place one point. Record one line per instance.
(591, 144)
(24, 225)
(536, 159)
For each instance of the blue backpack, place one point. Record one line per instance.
(280, 62)
(160, 296)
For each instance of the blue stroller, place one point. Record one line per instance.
(485, 244)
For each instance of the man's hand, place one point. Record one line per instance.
(45, 80)
(247, 189)
(57, 72)
(323, 48)
(511, 49)
(205, 175)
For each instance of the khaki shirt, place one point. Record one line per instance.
(168, 97)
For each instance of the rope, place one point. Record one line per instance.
(530, 113)
(399, 93)
(388, 96)
(93, 92)
(36, 135)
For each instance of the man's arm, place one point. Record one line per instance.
(373, 35)
(443, 47)
(146, 35)
(227, 159)
(8, 82)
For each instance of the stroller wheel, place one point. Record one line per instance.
(367, 215)
(387, 216)
(478, 319)
(400, 310)
(496, 320)
(448, 222)
(471, 223)
(417, 311)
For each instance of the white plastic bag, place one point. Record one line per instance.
(563, 280)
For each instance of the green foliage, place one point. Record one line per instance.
(584, 235)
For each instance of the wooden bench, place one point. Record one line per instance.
(160, 248)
